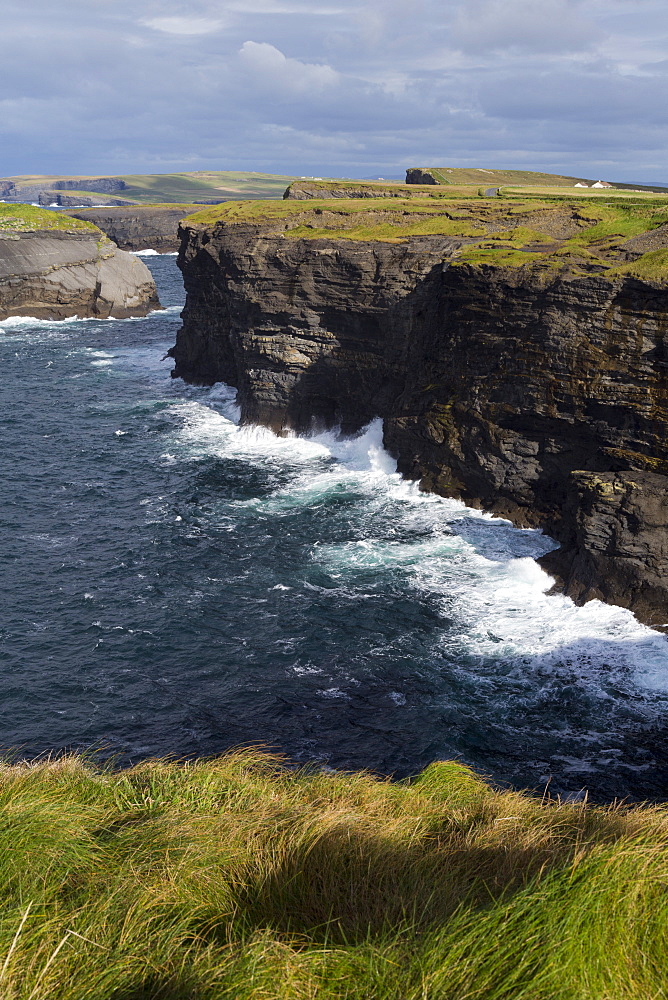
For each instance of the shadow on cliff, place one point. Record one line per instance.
(360, 371)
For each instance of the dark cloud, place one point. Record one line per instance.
(333, 86)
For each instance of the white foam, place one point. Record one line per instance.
(27, 323)
(480, 569)
(206, 431)
(152, 253)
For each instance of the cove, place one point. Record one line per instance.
(176, 585)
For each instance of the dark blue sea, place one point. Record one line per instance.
(174, 584)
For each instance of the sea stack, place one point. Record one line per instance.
(53, 267)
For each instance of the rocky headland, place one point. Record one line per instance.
(516, 351)
(140, 227)
(53, 267)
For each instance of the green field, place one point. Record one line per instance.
(151, 188)
(200, 185)
(235, 879)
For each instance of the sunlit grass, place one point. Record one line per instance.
(236, 878)
(29, 218)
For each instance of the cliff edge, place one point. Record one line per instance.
(516, 353)
(53, 267)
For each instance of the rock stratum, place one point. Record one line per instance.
(141, 227)
(518, 358)
(54, 267)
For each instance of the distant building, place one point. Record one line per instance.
(601, 184)
(581, 185)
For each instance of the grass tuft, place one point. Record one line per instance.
(237, 878)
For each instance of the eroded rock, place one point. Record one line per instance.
(55, 274)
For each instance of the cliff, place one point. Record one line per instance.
(141, 227)
(53, 267)
(517, 358)
(305, 190)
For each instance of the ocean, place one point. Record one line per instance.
(176, 585)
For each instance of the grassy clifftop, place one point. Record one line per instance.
(627, 236)
(28, 218)
(234, 878)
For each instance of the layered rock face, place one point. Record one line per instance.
(541, 396)
(306, 190)
(150, 227)
(53, 274)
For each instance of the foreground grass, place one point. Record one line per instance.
(235, 878)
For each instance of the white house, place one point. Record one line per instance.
(601, 184)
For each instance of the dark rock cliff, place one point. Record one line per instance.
(541, 396)
(140, 227)
(416, 175)
(106, 185)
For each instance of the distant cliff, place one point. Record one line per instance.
(305, 190)
(53, 267)
(518, 370)
(140, 227)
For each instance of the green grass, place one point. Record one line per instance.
(28, 218)
(234, 879)
(558, 191)
(389, 231)
(244, 212)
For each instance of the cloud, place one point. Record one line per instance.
(183, 25)
(273, 69)
(325, 87)
(523, 25)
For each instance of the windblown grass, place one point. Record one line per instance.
(235, 878)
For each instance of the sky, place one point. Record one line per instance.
(335, 87)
